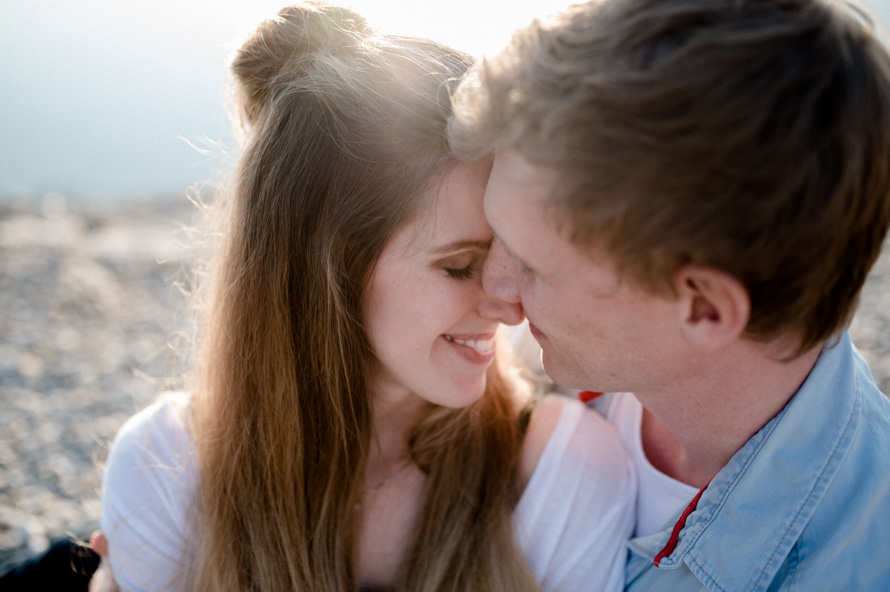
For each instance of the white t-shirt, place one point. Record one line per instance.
(660, 497)
(572, 521)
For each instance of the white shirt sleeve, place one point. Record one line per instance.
(149, 480)
(578, 510)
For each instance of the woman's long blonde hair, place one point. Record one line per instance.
(343, 133)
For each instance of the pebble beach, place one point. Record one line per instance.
(90, 307)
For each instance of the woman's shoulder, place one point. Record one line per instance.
(151, 452)
(577, 508)
(564, 432)
(160, 429)
(541, 426)
(149, 481)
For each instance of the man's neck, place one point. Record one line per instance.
(691, 433)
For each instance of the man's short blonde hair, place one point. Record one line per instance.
(752, 136)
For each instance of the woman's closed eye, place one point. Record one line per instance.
(462, 266)
(463, 273)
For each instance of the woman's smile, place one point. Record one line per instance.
(478, 349)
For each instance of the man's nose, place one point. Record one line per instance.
(502, 303)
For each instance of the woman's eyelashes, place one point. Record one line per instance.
(462, 266)
(464, 273)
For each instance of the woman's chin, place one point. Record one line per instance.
(462, 395)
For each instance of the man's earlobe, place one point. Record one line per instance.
(714, 306)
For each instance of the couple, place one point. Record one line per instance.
(685, 199)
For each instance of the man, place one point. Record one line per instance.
(687, 197)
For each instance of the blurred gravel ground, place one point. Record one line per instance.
(88, 312)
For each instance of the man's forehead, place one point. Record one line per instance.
(517, 188)
(516, 208)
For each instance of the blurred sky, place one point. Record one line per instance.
(117, 99)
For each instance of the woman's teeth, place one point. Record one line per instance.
(483, 346)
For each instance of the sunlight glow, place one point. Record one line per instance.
(476, 26)
(98, 95)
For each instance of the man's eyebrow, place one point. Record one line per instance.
(462, 245)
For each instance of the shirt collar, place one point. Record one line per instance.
(755, 508)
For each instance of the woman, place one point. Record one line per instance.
(351, 425)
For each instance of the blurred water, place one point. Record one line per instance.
(102, 99)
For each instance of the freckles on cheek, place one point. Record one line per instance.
(411, 302)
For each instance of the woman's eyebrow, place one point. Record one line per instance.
(460, 245)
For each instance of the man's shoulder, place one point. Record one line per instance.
(805, 498)
(844, 543)
(861, 486)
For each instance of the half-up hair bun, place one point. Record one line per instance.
(281, 48)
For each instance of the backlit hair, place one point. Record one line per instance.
(343, 136)
(751, 136)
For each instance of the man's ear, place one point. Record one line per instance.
(714, 306)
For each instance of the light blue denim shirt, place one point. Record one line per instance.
(804, 505)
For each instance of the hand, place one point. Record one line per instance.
(103, 579)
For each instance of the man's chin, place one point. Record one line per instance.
(558, 372)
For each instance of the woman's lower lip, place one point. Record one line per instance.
(536, 333)
(470, 354)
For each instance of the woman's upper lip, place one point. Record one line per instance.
(472, 336)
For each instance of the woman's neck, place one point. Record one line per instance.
(392, 494)
(395, 412)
